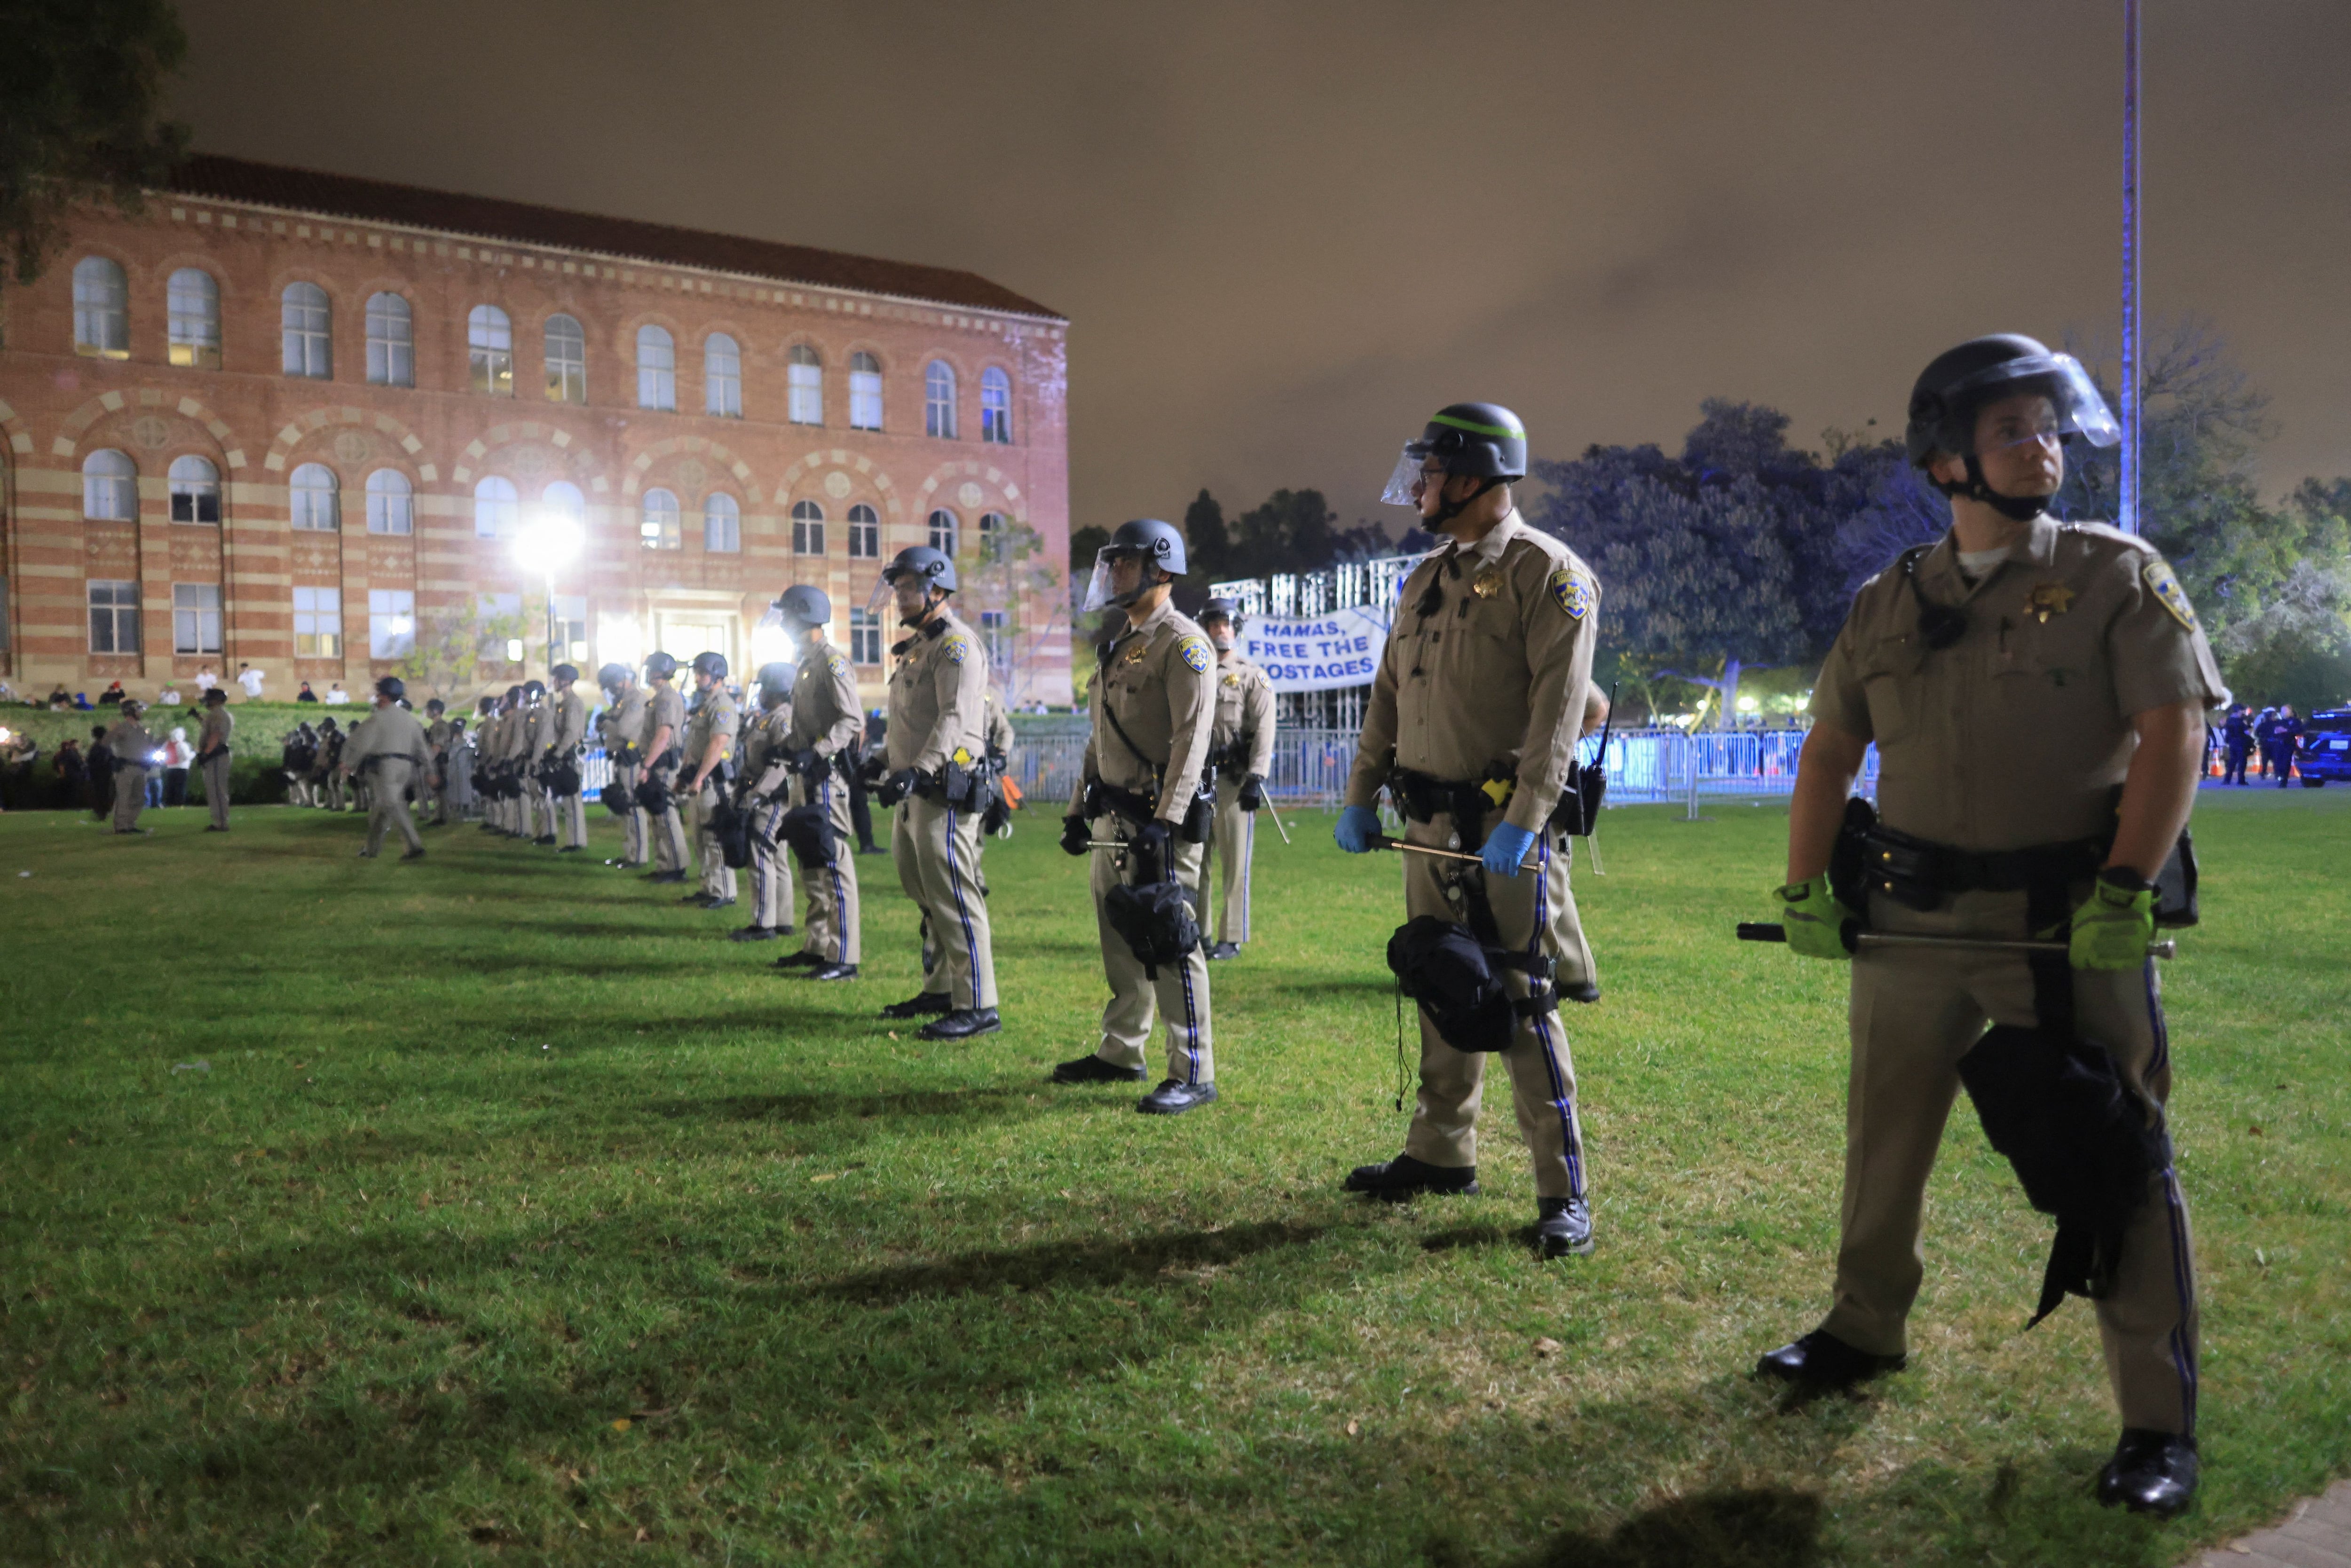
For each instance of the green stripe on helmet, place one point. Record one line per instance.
(1510, 431)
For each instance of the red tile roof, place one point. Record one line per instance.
(519, 222)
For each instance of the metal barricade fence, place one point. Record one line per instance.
(1645, 767)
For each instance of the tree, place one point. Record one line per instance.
(1004, 581)
(455, 641)
(2297, 649)
(81, 91)
(1207, 543)
(1290, 532)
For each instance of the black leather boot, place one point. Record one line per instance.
(1404, 1176)
(2151, 1472)
(1824, 1360)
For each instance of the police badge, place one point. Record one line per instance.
(1574, 591)
(1196, 654)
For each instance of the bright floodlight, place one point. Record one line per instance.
(549, 541)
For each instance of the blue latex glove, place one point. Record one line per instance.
(1358, 830)
(1506, 846)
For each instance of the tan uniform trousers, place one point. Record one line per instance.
(632, 820)
(1532, 913)
(388, 803)
(936, 847)
(717, 876)
(570, 817)
(335, 794)
(1180, 994)
(129, 797)
(771, 869)
(669, 830)
(1915, 1013)
(834, 922)
(215, 772)
(1234, 838)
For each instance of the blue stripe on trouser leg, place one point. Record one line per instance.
(955, 881)
(832, 871)
(1248, 855)
(1191, 1023)
(1561, 1100)
(2161, 1057)
(2183, 1351)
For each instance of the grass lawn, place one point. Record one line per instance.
(511, 1214)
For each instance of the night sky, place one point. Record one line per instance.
(1287, 233)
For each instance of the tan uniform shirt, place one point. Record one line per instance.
(825, 714)
(218, 728)
(766, 744)
(938, 697)
(716, 716)
(566, 722)
(624, 720)
(1155, 679)
(664, 707)
(537, 724)
(130, 742)
(2020, 732)
(1487, 664)
(387, 732)
(1244, 708)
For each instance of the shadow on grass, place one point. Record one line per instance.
(1739, 1528)
(1074, 1265)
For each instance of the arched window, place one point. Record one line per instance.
(110, 487)
(808, 528)
(391, 503)
(101, 310)
(562, 498)
(489, 350)
(722, 377)
(995, 407)
(315, 500)
(938, 400)
(722, 523)
(943, 532)
(657, 369)
(304, 322)
(660, 529)
(495, 507)
(195, 490)
(391, 341)
(192, 308)
(992, 526)
(865, 392)
(567, 360)
(864, 533)
(806, 378)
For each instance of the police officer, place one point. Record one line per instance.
(213, 756)
(2289, 730)
(391, 748)
(326, 776)
(132, 747)
(567, 737)
(1473, 721)
(708, 772)
(2036, 693)
(937, 695)
(822, 752)
(663, 734)
(437, 733)
(623, 724)
(481, 770)
(530, 771)
(1153, 705)
(2237, 736)
(1241, 746)
(764, 792)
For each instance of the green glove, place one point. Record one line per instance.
(1816, 922)
(2116, 923)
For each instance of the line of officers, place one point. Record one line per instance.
(707, 792)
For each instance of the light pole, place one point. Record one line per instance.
(549, 541)
(2126, 512)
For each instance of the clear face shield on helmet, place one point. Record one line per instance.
(885, 591)
(2076, 407)
(1101, 589)
(1404, 485)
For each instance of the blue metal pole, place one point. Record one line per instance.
(2126, 514)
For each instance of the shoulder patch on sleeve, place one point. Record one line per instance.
(1573, 592)
(834, 663)
(958, 648)
(1195, 649)
(2165, 586)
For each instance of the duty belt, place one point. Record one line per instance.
(1919, 874)
(1424, 796)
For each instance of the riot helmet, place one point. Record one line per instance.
(776, 682)
(533, 690)
(711, 664)
(1953, 389)
(567, 674)
(436, 705)
(613, 677)
(214, 695)
(799, 609)
(936, 568)
(1159, 546)
(659, 666)
(1482, 440)
(1223, 609)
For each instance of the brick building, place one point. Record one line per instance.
(324, 425)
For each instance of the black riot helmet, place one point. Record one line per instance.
(531, 689)
(659, 666)
(776, 682)
(1953, 389)
(801, 607)
(1482, 440)
(514, 694)
(436, 705)
(487, 705)
(564, 673)
(711, 664)
(923, 562)
(1160, 545)
(214, 695)
(1224, 609)
(613, 677)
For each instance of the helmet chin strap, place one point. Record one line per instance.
(1452, 509)
(2015, 509)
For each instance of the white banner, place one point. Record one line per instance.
(1323, 652)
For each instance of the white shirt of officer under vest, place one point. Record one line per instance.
(2018, 732)
(1496, 673)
